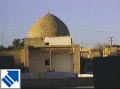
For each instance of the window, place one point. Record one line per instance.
(41, 38)
(46, 43)
(47, 62)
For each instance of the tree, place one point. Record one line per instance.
(99, 47)
(1, 47)
(18, 43)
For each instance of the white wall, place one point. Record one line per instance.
(58, 40)
(62, 62)
(37, 61)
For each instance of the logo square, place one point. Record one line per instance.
(10, 78)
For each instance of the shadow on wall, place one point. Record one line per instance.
(86, 66)
(7, 62)
(107, 72)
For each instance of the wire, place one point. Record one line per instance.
(98, 31)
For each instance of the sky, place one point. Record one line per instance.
(89, 21)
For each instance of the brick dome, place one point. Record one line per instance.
(48, 26)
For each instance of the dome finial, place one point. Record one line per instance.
(48, 12)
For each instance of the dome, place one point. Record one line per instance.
(48, 26)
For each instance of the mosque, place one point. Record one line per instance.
(48, 47)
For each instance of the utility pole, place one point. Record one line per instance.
(82, 44)
(111, 40)
(86, 45)
(2, 39)
(111, 43)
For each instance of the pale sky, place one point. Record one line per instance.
(89, 21)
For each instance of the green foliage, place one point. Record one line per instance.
(99, 47)
(1, 47)
(18, 43)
